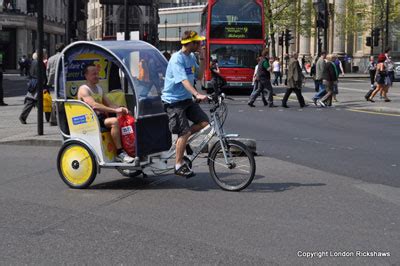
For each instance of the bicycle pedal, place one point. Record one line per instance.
(189, 150)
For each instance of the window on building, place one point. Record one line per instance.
(359, 41)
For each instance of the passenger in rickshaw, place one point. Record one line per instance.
(92, 94)
(177, 96)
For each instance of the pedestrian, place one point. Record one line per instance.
(312, 74)
(52, 65)
(177, 96)
(390, 68)
(382, 79)
(319, 70)
(339, 68)
(330, 77)
(264, 79)
(256, 83)
(303, 63)
(22, 62)
(276, 69)
(31, 95)
(217, 80)
(372, 72)
(295, 81)
(2, 103)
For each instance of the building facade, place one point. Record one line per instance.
(351, 46)
(18, 29)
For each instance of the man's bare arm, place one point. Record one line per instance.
(188, 86)
(83, 94)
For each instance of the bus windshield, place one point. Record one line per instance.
(236, 19)
(236, 56)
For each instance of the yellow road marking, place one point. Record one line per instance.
(372, 112)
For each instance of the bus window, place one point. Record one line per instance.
(236, 19)
(236, 56)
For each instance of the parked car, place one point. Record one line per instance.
(397, 71)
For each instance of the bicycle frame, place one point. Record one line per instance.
(160, 162)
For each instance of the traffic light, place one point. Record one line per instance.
(368, 41)
(280, 41)
(322, 15)
(288, 37)
(145, 36)
(377, 33)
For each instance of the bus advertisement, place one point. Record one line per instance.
(235, 38)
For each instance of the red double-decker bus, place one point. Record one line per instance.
(235, 37)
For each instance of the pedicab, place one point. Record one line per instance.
(131, 74)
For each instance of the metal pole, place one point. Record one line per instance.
(127, 37)
(40, 67)
(67, 24)
(166, 22)
(326, 26)
(372, 28)
(387, 25)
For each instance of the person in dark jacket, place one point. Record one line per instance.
(330, 78)
(295, 81)
(32, 94)
(264, 81)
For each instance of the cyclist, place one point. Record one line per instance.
(177, 96)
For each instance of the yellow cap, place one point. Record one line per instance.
(194, 37)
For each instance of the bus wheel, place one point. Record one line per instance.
(76, 165)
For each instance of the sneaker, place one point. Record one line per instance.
(321, 103)
(124, 157)
(251, 104)
(185, 171)
(315, 102)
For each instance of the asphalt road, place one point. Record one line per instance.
(336, 140)
(327, 182)
(287, 211)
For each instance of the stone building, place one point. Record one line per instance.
(18, 29)
(352, 45)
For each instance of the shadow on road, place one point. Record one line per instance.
(195, 184)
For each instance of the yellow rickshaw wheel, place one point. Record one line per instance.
(76, 165)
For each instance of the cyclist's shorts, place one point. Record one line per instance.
(180, 113)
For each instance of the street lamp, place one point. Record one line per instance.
(165, 22)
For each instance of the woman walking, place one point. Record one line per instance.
(382, 79)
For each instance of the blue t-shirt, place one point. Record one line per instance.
(180, 67)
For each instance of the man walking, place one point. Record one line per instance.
(295, 81)
(177, 96)
(52, 65)
(264, 79)
(319, 71)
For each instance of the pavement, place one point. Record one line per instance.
(13, 132)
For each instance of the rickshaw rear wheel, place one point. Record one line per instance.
(76, 165)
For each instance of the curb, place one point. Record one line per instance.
(33, 142)
(385, 110)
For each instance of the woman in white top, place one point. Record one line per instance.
(276, 68)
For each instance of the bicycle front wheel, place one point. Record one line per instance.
(235, 173)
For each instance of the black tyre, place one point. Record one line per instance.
(76, 165)
(239, 173)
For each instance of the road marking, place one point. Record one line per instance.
(364, 91)
(372, 112)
